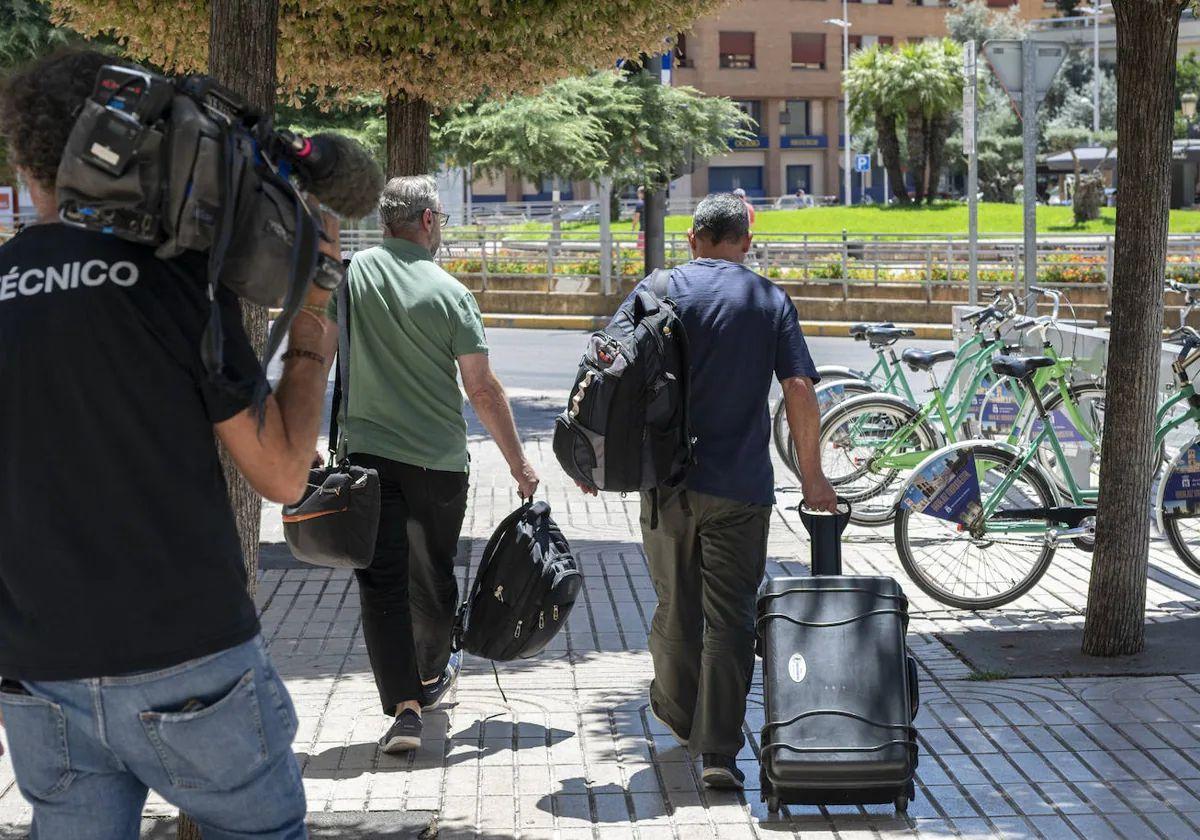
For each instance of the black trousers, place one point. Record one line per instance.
(409, 595)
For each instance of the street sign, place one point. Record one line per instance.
(1005, 60)
(862, 163)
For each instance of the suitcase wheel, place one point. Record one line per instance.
(901, 805)
(774, 806)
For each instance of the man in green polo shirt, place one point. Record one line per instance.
(413, 330)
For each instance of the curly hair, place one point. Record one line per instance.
(38, 106)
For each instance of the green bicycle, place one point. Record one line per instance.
(839, 383)
(978, 522)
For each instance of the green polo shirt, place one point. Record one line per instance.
(410, 321)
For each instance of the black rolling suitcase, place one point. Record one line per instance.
(839, 685)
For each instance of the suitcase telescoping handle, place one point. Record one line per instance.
(825, 536)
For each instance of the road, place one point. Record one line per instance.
(546, 360)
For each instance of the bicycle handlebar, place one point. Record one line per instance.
(1054, 295)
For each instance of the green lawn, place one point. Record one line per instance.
(947, 218)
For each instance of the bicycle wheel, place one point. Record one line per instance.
(780, 434)
(971, 572)
(1083, 459)
(851, 436)
(829, 395)
(1183, 532)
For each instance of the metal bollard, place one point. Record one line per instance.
(825, 536)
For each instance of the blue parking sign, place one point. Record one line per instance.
(862, 163)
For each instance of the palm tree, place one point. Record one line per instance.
(928, 82)
(871, 81)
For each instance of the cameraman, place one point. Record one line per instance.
(130, 651)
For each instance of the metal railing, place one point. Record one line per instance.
(847, 261)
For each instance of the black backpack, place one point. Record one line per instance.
(626, 424)
(524, 590)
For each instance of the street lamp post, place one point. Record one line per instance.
(844, 23)
(1095, 12)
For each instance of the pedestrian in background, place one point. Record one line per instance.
(708, 554)
(741, 194)
(413, 330)
(639, 216)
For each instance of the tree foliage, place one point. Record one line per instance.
(440, 51)
(974, 21)
(917, 88)
(633, 129)
(25, 33)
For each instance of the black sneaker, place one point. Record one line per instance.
(722, 772)
(404, 735)
(434, 692)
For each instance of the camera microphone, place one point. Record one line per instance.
(339, 171)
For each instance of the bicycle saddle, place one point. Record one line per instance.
(1019, 367)
(925, 359)
(859, 331)
(883, 336)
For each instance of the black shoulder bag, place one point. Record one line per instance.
(336, 522)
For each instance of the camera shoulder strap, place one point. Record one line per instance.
(341, 378)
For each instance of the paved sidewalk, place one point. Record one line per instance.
(574, 754)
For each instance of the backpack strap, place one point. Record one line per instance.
(660, 282)
(341, 378)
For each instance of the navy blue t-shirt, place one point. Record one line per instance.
(742, 329)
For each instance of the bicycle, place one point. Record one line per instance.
(887, 374)
(978, 522)
(868, 443)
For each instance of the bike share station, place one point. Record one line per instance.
(984, 461)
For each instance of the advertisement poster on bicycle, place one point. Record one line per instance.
(998, 409)
(1181, 495)
(947, 487)
(830, 395)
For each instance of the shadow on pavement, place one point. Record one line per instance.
(534, 416)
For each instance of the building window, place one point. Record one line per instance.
(794, 117)
(751, 108)
(682, 57)
(808, 51)
(859, 42)
(799, 177)
(730, 178)
(880, 2)
(737, 50)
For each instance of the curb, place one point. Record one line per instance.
(834, 329)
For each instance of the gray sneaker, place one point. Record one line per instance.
(436, 692)
(683, 742)
(404, 734)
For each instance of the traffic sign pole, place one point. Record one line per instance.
(1029, 103)
(971, 150)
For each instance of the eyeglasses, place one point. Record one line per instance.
(443, 219)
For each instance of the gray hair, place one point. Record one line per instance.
(721, 217)
(404, 200)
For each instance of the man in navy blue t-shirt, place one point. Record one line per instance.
(709, 552)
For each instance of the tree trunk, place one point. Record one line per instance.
(935, 136)
(407, 136)
(242, 38)
(889, 146)
(1147, 36)
(916, 153)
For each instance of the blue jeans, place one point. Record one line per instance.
(212, 736)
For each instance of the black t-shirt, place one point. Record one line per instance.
(118, 550)
(640, 209)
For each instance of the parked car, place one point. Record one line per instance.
(792, 202)
(589, 212)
